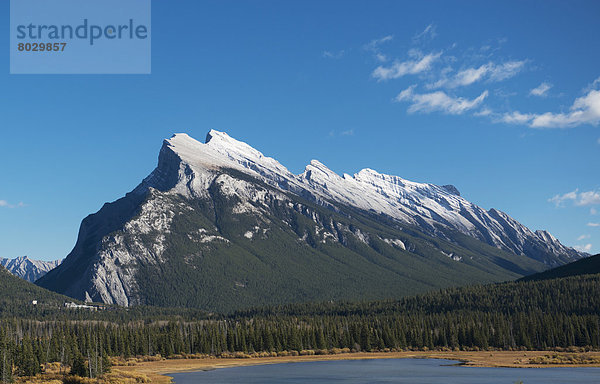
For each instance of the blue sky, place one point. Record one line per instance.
(498, 98)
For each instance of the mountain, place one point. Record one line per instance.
(220, 226)
(587, 266)
(28, 269)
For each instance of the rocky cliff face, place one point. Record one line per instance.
(213, 218)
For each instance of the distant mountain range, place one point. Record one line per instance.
(28, 269)
(220, 226)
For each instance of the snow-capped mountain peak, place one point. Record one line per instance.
(425, 205)
(220, 151)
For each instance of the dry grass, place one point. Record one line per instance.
(54, 373)
(566, 359)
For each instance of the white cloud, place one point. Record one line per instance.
(593, 211)
(333, 55)
(506, 70)
(589, 198)
(438, 101)
(469, 76)
(374, 44)
(559, 200)
(583, 237)
(579, 199)
(349, 132)
(599, 140)
(441, 69)
(491, 72)
(585, 110)
(484, 112)
(593, 85)
(381, 57)
(593, 224)
(583, 248)
(516, 118)
(6, 204)
(408, 67)
(428, 33)
(541, 90)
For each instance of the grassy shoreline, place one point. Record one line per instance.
(157, 371)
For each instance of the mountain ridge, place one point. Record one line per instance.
(386, 194)
(28, 269)
(223, 197)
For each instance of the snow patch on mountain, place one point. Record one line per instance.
(396, 242)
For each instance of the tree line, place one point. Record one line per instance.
(539, 315)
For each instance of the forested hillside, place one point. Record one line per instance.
(17, 296)
(589, 265)
(529, 315)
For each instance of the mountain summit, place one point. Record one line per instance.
(220, 226)
(423, 205)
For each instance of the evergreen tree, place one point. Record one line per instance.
(78, 368)
(28, 363)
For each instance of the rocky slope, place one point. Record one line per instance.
(28, 269)
(218, 225)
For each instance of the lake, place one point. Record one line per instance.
(414, 371)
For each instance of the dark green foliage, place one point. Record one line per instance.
(589, 265)
(17, 295)
(27, 361)
(105, 364)
(524, 315)
(6, 363)
(579, 295)
(78, 367)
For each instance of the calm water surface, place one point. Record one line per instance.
(414, 371)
